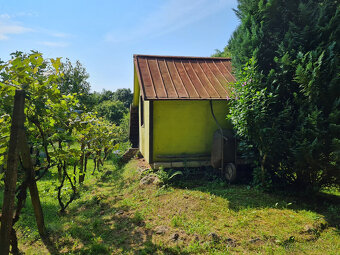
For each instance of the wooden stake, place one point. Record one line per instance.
(11, 173)
(32, 185)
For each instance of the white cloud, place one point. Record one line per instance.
(9, 26)
(172, 16)
(54, 44)
(9, 29)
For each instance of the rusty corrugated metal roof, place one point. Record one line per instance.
(172, 77)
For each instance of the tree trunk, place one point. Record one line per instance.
(11, 172)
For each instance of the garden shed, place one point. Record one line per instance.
(171, 120)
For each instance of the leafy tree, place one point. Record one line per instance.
(75, 81)
(54, 127)
(123, 95)
(113, 111)
(287, 107)
(124, 128)
(106, 95)
(222, 54)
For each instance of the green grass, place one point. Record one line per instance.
(117, 215)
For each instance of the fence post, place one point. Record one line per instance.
(26, 159)
(11, 173)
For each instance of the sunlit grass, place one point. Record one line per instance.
(115, 214)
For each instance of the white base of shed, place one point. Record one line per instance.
(179, 164)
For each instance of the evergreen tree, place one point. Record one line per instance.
(287, 113)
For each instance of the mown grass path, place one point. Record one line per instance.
(118, 215)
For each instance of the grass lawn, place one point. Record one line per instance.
(197, 215)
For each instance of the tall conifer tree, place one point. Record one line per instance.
(287, 112)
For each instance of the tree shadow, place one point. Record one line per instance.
(100, 226)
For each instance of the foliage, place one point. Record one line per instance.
(59, 134)
(113, 111)
(286, 112)
(123, 95)
(222, 54)
(165, 177)
(105, 95)
(74, 81)
(124, 128)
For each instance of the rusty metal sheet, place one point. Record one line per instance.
(225, 71)
(146, 80)
(210, 75)
(219, 76)
(186, 80)
(182, 92)
(157, 79)
(204, 80)
(228, 65)
(169, 86)
(174, 77)
(195, 81)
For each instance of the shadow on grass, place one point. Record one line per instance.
(100, 226)
(242, 195)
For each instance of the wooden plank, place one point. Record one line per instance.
(209, 74)
(156, 78)
(204, 80)
(224, 71)
(186, 80)
(181, 91)
(195, 81)
(146, 79)
(169, 86)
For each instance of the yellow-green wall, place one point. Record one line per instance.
(178, 126)
(136, 90)
(144, 130)
(185, 126)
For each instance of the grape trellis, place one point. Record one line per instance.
(51, 133)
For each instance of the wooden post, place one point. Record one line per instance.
(11, 173)
(32, 185)
(81, 166)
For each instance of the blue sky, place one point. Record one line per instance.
(103, 35)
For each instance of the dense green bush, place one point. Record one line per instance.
(287, 107)
(113, 111)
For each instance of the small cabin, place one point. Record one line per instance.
(178, 104)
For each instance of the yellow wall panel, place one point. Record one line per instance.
(185, 126)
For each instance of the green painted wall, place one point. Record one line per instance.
(136, 90)
(144, 130)
(179, 126)
(185, 126)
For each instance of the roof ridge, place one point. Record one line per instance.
(179, 57)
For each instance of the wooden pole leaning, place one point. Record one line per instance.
(11, 174)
